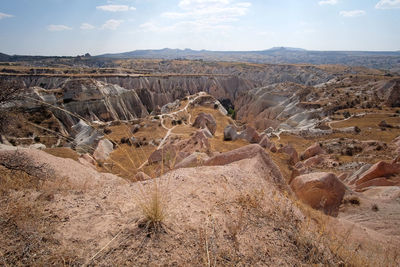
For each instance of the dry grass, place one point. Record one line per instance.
(152, 199)
(27, 225)
(153, 209)
(63, 152)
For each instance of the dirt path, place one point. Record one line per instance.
(169, 130)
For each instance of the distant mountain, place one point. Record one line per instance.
(386, 60)
(283, 48)
(389, 60)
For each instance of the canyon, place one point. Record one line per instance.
(249, 164)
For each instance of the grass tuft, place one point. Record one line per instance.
(152, 204)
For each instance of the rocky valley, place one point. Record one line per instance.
(141, 162)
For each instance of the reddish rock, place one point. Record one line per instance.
(343, 176)
(246, 152)
(193, 160)
(251, 135)
(320, 190)
(266, 143)
(197, 143)
(291, 151)
(205, 120)
(381, 181)
(172, 154)
(314, 161)
(380, 169)
(312, 151)
(166, 153)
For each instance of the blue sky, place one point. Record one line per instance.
(72, 27)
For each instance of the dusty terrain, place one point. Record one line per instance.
(200, 163)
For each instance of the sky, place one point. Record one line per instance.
(75, 27)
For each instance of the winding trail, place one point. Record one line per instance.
(169, 130)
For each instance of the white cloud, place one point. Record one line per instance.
(388, 4)
(58, 28)
(152, 27)
(112, 24)
(327, 2)
(207, 14)
(352, 13)
(4, 15)
(188, 4)
(87, 26)
(115, 8)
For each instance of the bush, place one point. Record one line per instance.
(232, 113)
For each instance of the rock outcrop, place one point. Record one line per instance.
(103, 150)
(193, 160)
(319, 190)
(92, 100)
(249, 134)
(230, 133)
(377, 175)
(266, 143)
(312, 151)
(173, 153)
(85, 137)
(246, 152)
(291, 151)
(206, 121)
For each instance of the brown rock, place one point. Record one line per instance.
(320, 190)
(312, 151)
(380, 169)
(381, 181)
(166, 153)
(246, 152)
(193, 160)
(197, 143)
(314, 161)
(343, 176)
(174, 153)
(251, 135)
(266, 143)
(291, 151)
(205, 120)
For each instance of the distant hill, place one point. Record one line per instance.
(385, 60)
(4, 57)
(389, 60)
